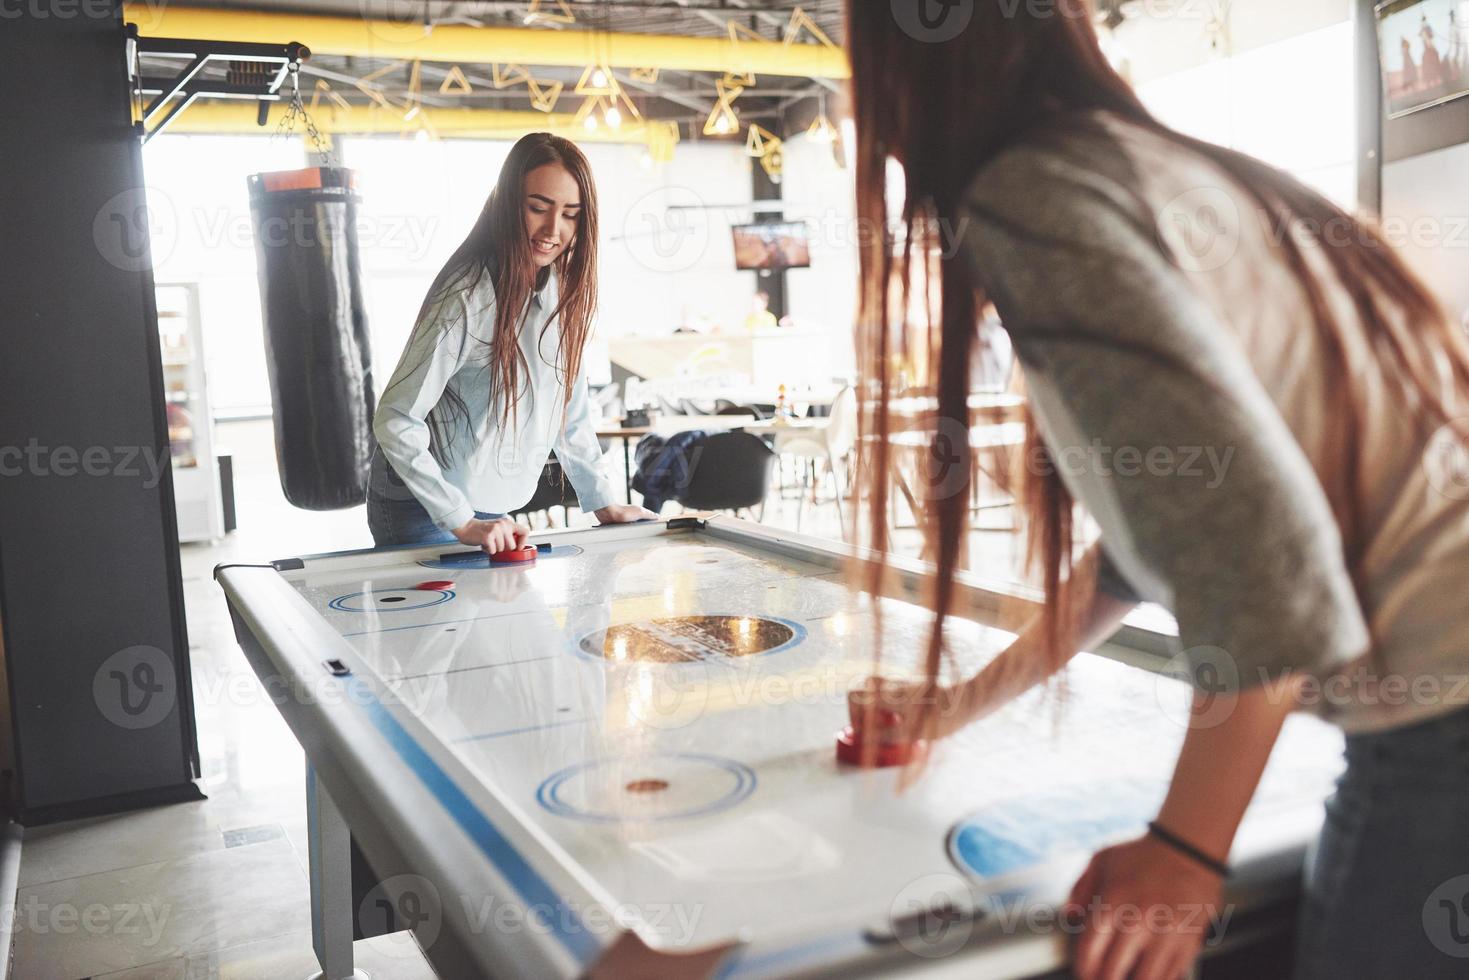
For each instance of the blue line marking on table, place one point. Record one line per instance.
(342, 603)
(742, 783)
(532, 888)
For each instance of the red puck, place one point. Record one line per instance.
(438, 585)
(851, 750)
(515, 556)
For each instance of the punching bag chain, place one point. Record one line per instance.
(297, 110)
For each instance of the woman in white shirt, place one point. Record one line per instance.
(492, 380)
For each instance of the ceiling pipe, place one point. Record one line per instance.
(387, 39)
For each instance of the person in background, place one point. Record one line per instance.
(760, 317)
(1162, 292)
(492, 379)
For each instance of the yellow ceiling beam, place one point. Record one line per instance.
(458, 43)
(238, 118)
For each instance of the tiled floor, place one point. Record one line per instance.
(218, 888)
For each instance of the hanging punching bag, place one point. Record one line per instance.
(317, 350)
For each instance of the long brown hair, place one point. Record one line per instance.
(943, 109)
(499, 246)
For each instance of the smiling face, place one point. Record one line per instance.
(552, 212)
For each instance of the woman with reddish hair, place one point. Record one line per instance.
(1160, 293)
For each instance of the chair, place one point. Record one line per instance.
(553, 490)
(732, 472)
(829, 444)
(723, 406)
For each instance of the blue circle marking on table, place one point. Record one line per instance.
(700, 784)
(1017, 834)
(483, 560)
(392, 600)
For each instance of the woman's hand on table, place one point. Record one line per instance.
(623, 514)
(1144, 911)
(501, 534)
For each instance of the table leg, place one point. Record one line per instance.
(331, 883)
(627, 468)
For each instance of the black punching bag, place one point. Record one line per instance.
(316, 343)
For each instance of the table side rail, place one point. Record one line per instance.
(385, 800)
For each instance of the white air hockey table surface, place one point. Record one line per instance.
(619, 761)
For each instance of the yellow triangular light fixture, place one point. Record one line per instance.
(366, 87)
(544, 94)
(509, 75)
(738, 34)
(723, 120)
(331, 94)
(774, 162)
(822, 130)
(801, 20)
(647, 76)
(586, 116)
(760, 141)
(599, 80)
(455, 83)
(562, 14)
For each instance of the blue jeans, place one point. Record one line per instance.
(1387, 889)
(394, 515)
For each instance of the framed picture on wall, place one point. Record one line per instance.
(1425, 53)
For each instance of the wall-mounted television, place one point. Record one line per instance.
(772, 245)
(1425, 53)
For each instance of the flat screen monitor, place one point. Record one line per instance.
(1425, 53)
(772, 245)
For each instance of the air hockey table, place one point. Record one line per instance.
(619, 761)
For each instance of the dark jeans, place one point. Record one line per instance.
(1387, 890)
(394, 515)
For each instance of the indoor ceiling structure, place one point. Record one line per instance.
(651, 71)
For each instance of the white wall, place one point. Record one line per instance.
(824, 296)
(1290, 103)
(199, 216)
(1165, 37)
(1425, 208)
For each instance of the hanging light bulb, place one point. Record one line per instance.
(613, 117)
(599, 78)
(591, 122)
(822, 131)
